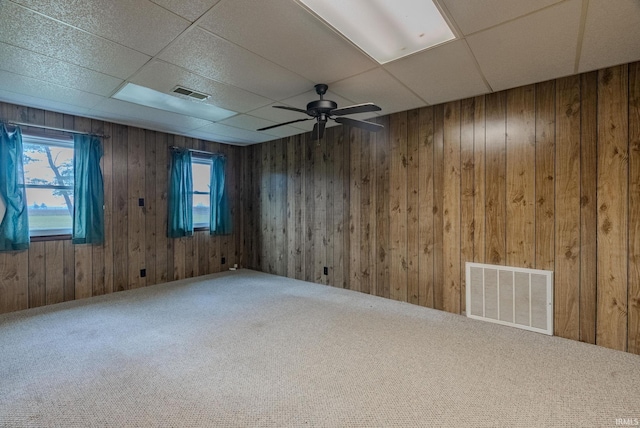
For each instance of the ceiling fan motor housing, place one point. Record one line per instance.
(318, 107)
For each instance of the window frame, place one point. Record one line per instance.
(205, 160)
(65, 141)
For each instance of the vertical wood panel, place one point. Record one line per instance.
(119, 140)
(398, 206)
(545, 175)
(105, 251)
(383, 239)
(14, 280)
(69, 271)
(567, 258)
(451, 209)
(438, 207)
(520, 180)
(330, 210)
(495, 252)
(135, 188)
(54, 277)
(613, 185)
(291, 203)
(479, 176)
(413, 244)
(354, 210)
(37, 278)
(367, 214)
(588, 207)
(425, 215)
(160, 201)
(150, 207)
(320, 215)
(634, 209)
(339, 209)
(467, 192)
(309, 195)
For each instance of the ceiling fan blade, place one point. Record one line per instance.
(358, 108)
(367, 126)
(299, 110)
(282, 124)
(318, 130)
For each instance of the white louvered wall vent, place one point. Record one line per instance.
(189, 93)
(511, 296)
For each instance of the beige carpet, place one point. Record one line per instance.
(250, 349)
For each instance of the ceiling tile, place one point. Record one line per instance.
(131, 23)
(191, 10)
(531, 49)
(447, 72)
(48, 91)
(31, 31)
(45, 104)
(31, 64)
(378, 87)
(290, 36)
(210, 56)
(611, 34)
(164, 77)
(472, 16)
(172, 120)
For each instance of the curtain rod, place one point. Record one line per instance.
(202, 152)
(56, 129)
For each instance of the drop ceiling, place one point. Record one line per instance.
(72, 56)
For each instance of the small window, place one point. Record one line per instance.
(48, 174)
(201, 168)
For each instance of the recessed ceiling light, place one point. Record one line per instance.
(385, 29)
(154, 99)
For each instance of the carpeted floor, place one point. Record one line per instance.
(249, 349)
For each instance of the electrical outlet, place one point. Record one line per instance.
(143, 273)
(326, 270)
(223, 261)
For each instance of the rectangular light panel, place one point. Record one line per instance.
(150, 98)
(385, 29)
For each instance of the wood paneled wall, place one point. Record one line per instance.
(542, 176)
(135, 165)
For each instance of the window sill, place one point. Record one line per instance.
(42, 238)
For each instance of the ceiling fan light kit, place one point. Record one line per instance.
(323, 110)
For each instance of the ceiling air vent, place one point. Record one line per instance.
(189, 93)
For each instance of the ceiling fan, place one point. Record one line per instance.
(322, 110)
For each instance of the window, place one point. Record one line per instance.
(201, 169)
(48, 174)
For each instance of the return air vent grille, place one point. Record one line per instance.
(510, 296)
(189, 93)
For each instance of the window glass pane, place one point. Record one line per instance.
(44, 164)
(52, 215)
(48, 171)
(201, 176)
(201, 210)
(201, 179)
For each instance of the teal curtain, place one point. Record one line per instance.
(220, 221)
(14, 228)
(88, 191)
(180, 194)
